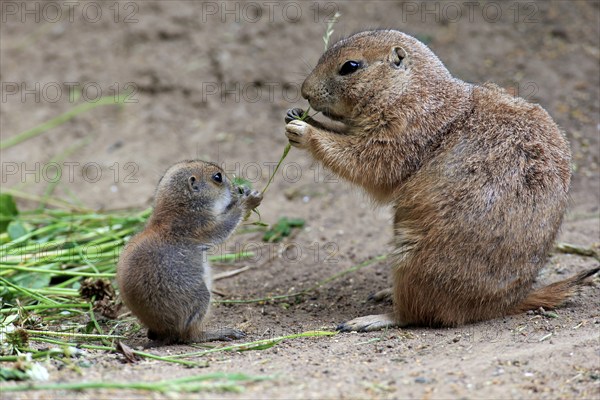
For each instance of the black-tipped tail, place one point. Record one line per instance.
(553, 295)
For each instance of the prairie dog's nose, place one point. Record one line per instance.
(304, 90)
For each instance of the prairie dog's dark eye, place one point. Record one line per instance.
(217, 177)
(349, 67)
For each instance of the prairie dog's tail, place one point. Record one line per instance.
(554, 294)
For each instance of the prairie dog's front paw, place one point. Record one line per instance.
(251, 198)
(293, 113)
(298, 132)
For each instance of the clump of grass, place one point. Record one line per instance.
(44, 253)
(55, 249)
(282, 228)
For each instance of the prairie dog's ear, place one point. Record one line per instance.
(397, 55)
(193, 184)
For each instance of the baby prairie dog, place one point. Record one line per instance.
(163, 272)
(477, 178)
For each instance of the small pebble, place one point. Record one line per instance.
(422, 379)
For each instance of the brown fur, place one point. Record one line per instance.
(163, 272)
(478, 179)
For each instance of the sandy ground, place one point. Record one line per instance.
(213, 80)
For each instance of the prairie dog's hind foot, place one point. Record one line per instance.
(221, 334)
(157, 340)
(369, 323)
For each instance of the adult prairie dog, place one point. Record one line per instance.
(163, 272)
(478, 179)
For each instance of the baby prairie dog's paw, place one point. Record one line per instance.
(251, 198)
(298, 133)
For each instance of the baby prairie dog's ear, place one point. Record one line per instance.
(397, 56)
(193, 184)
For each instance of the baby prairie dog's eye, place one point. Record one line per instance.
(349, 67)
(217, 177)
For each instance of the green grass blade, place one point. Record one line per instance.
(61, 119)
(217, 381)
